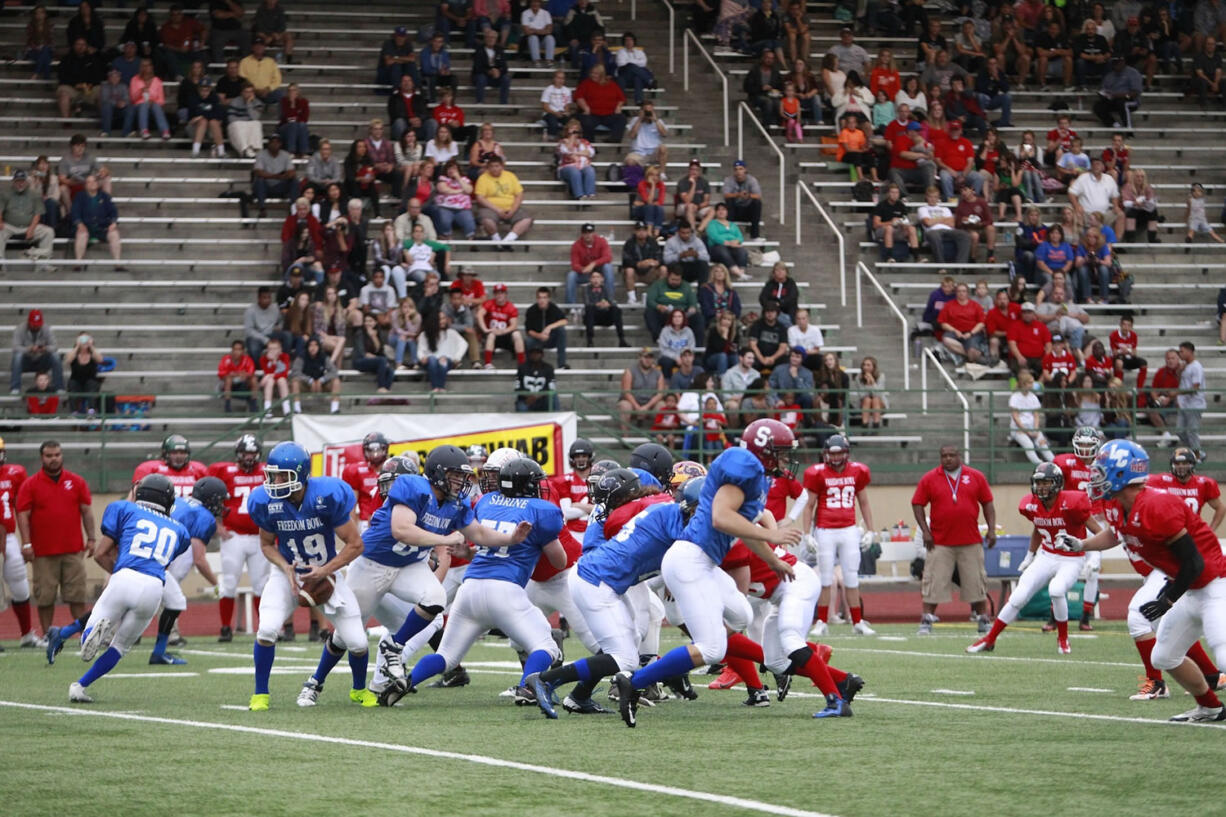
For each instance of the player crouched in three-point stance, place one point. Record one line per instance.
(520, 527)
(138, 540)
(1053, 511)
(732, 498)
(1159, 528)
(300, 519)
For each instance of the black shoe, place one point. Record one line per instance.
(287, 633)
(627, 698)
(681, 687)
(227, 635)
(457, 677)
(849, 686)
(583, 706)
(758, 698)
(397, 689)
(313, 634)
(715, 669)
(783, 683)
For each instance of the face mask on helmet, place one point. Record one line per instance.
(280, 483)
(1183, 464)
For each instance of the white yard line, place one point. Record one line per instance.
(983, 657)
(152, 674)
(482, 760)
(953, 692)
(1089, 689)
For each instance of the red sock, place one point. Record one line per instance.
(816, 670)
(745, 668)
(21, 609)
(998, 627)
(1141, 372)
(1087, 608)
(226, 609)
(519, 358)
(857, 613)
(1062, 630)
(1209, 699)
(837, 674)
(489, 356)
(742, 646)
(823, 612)
(1197, 653)
(1145, 648)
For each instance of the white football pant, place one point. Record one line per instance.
(553, 596)
(1059, 573)
(1196, 612)
(707, 597)
(613, 619)
(278, 601)
(236, 551)
(16, 578)
(788, 616)
(840, 545)
(129, 600)
(485, 604)
(1139, 625)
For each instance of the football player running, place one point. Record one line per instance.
(240, 537)
(138, 540)
(301, 518)
(176, 464)
(16, 577)
(1076, 470)
(1167, 534)
(1053, 511)
(1194, 489)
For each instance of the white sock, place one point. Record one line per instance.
(267, 405)
(495, 237)
(511, 236)
(297, 407)
(285, 407)
(336, 406)
(195, 148)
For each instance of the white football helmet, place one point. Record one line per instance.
(488, 473)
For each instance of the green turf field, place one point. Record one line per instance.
(1022, 731)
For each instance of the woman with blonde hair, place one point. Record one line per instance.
(331, 323)
(868, 392)
(1140, 204)
(649, 200)
(1024, 420)
(406, 326)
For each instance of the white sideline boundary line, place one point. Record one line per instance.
(152, 674)
(982, 657)
(482, 760)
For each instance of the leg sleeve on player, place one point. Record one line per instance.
(849, 555)
(1178, 630)
(277, 603)
(1139, 625)
(612, 618)
(1040, 572)
(15, 575)
(172, 595)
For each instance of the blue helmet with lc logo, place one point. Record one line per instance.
(290, 459)
(1119, 463)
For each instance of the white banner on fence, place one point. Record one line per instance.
(335, 440)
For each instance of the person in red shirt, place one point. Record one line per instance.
(446, 112)
(1059, 140)
(470, 285)
(274, 375)
(600, 102)
(975, 216)
(1167, 534)
(236, 371)
(1194, 489)
(16, 577)
(363, 477)
(1029, 340)
(53, 506)
(997, 322)
(569, 490)
(955, 493)
(589, 253)
(240, 536)
(1124, 350)
(1052, 510)
(176, 463)
(962, 326)
(912, 158)
(1099, 365)
(1059, 360)
(666, 427)
(498, 319)
(1161, 397)
(956, 162)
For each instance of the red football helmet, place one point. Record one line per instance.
(772, 443)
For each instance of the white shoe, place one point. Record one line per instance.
(390, 658)
(632, 298)
(1201, 714)
(31, 639)
(100, 635)
(862, 628)
(819, 629)
(309, 696)
(78, 695)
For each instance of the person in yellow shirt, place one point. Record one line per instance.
(499, 196)
(262, 72)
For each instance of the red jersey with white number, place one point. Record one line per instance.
(544, 568)
(499, 316)
(11, 477)
(364, 481)
(1195, 493)
(239, 484)
(573, 487)
(1060, 363)
(1077, 477)
(836, 492)
(1155, 519)
(763, 582)
(1068, 513)
(1113, 513)
(184, 479)
(782, 489)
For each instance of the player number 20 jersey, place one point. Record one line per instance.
(147, 540)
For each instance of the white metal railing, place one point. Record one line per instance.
(691, 37)
(838, 234)
(927, 356)
(672, 36)
(902, 319)
(741, 111)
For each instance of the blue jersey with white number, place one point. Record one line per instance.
(147, 540)
(306, 533)
(502, 513)
(195, 517)
(738, 467)
(635, 552)
(415, 493)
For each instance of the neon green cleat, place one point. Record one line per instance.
(364, 697)
(259, 703)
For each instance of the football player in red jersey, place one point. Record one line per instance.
(1052, 510)
(498, 319)
(363, 477)
(176, 463)
(569, 490)
(834, 488)
(240, 537)
(1195, 490)
(1167, 534)
(1076, 470)
(16, 578)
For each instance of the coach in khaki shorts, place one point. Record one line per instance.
(52, 507)
(955, 493)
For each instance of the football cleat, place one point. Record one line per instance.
(783, 683)
(287, 632)
(54, 644)
(985, 625)
(1149, 690)
(98, 637)
(309, 696)
(981, 645)
(78, 695)
(166, 659)
(836, 707)
(1050, 626)
(655, 693)
(364, 697)
(1201, 714)
(258, 702)
(849, 686)
(31, 641)
(523, 695)
(227, 635)
(861, 628)
(583, 706)
(926, 622)
(457, 677)
(681, 687)
(390, 654)
(538, 687)
(627, 698)
(395, 690)
(819, 629)
(726, 680)
(1062, 646)
(1085, 626)
(757, 698)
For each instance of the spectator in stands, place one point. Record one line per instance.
(42, 399)
(642, 387)
(1053, 255)
(301, 218)
(315, 372)
(1097, 192)
(833, 385)
(1055, 55)
(868, 392)
(298, 316)
(201, 109)
(649, 201)
(688, 375)
(974, 216)
(1207, 74)
(599, 309)
(498, 320)
(911, 97)
(181, 40)
(536, 27)
(580, 22)
(1162, 398)
(295, 285)
(956, 160)
(1091, 53)
(272, 25)
(943, 294)
(765, 32)
(797, 40)
(408, 109)
(40, 43)
(600, 103)
(383, 158)
(589, 252)
(574, 158)
(262, 72)
(378, 298)
(1191, 399)
(674, 337)
(743, 195)
(236, 373)
(647, 135)
(370, 354)
(992, 87)
(295, 113)
(87, 26)
(597, 53)
(557, 104)
(763, 85)
(1194, 216)
(1119, 95)
(962, 325)
(808, 337)
(499, 196)
(332, 319)
(274, 367)
(227, 28)
(409, 153)
(1094, 263)
(34, 350)
(641, 258)
(948, 244)
(262, 322)
(21, 212)
(452, 203)
(47, 185)
(782, 290)
(1063, 317)
(457, 14)
(717, 295)
(670, 292)
(114, 102)
(1058, 361)
(912, 158)
(545, 325)
(1012, 51)
(768, 337)
(273, 174)
(483, 147)
(721, 343)
(632, 70)
(1029, 340)
(739, 378)
(443, 147)
(1098, 364)
(435, 68)
(243, 123)
(360, 174)
(94, 218)
(490, 68)
(693, 196)
(1140, 203)
(792, 376)
(996, 325)
(889, 221)
(724, 241)
(535, 384)
(962, 105)
(940, 72)
(1024, 421)
(1073, 162)
(397, 60)
(493, 14)
(389, 256)
(969, 52)
(687, 254)
(852, 57)
(127, 63)
(80, 72)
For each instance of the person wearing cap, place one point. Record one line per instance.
(763, 86)
(545, 325)
(852, 57)
(498, 195)
(948, 244)
(600, 102)
(642, 256)
(1119, 95)
(912, 158)
(201, 110)
(956, 160)
(795, 378)
(490, 67)
(262, 72)
(1029, 340)
(498, 320)
(272, 25)
(693, 195)
(21, 211)
(589, 252)
(273, 173)
(743, 195)
(34, 350)
(642, 387)
(1059, 361)
(226, 28)
(127, 63)
(470, 287)
(94, 218)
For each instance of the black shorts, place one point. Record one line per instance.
(505, 341)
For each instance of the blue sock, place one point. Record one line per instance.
(72, 629)
(427, 667)
(327, 660)
(538, 661)
(263, 666)
(581, 667)
(357, 664)
(676, 661)
(413, 625)
(105, 663)
(159, 646)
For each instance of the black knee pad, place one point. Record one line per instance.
(431, 610)
(331, 646)
(799, 658)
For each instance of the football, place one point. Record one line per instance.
(314, 592)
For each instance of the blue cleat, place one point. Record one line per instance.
(836, 707)
(543, 694)
(166, 659)
(54, 644)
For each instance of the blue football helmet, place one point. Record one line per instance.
(1119, 463)
(690, 492)
(287, 458)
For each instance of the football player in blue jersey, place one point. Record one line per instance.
(594, 536)
(138, 540)
(732, 500)
(493, 594)
(300, 520)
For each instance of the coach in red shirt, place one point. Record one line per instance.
(1029, 340)
(52, 507)
(955, 493)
